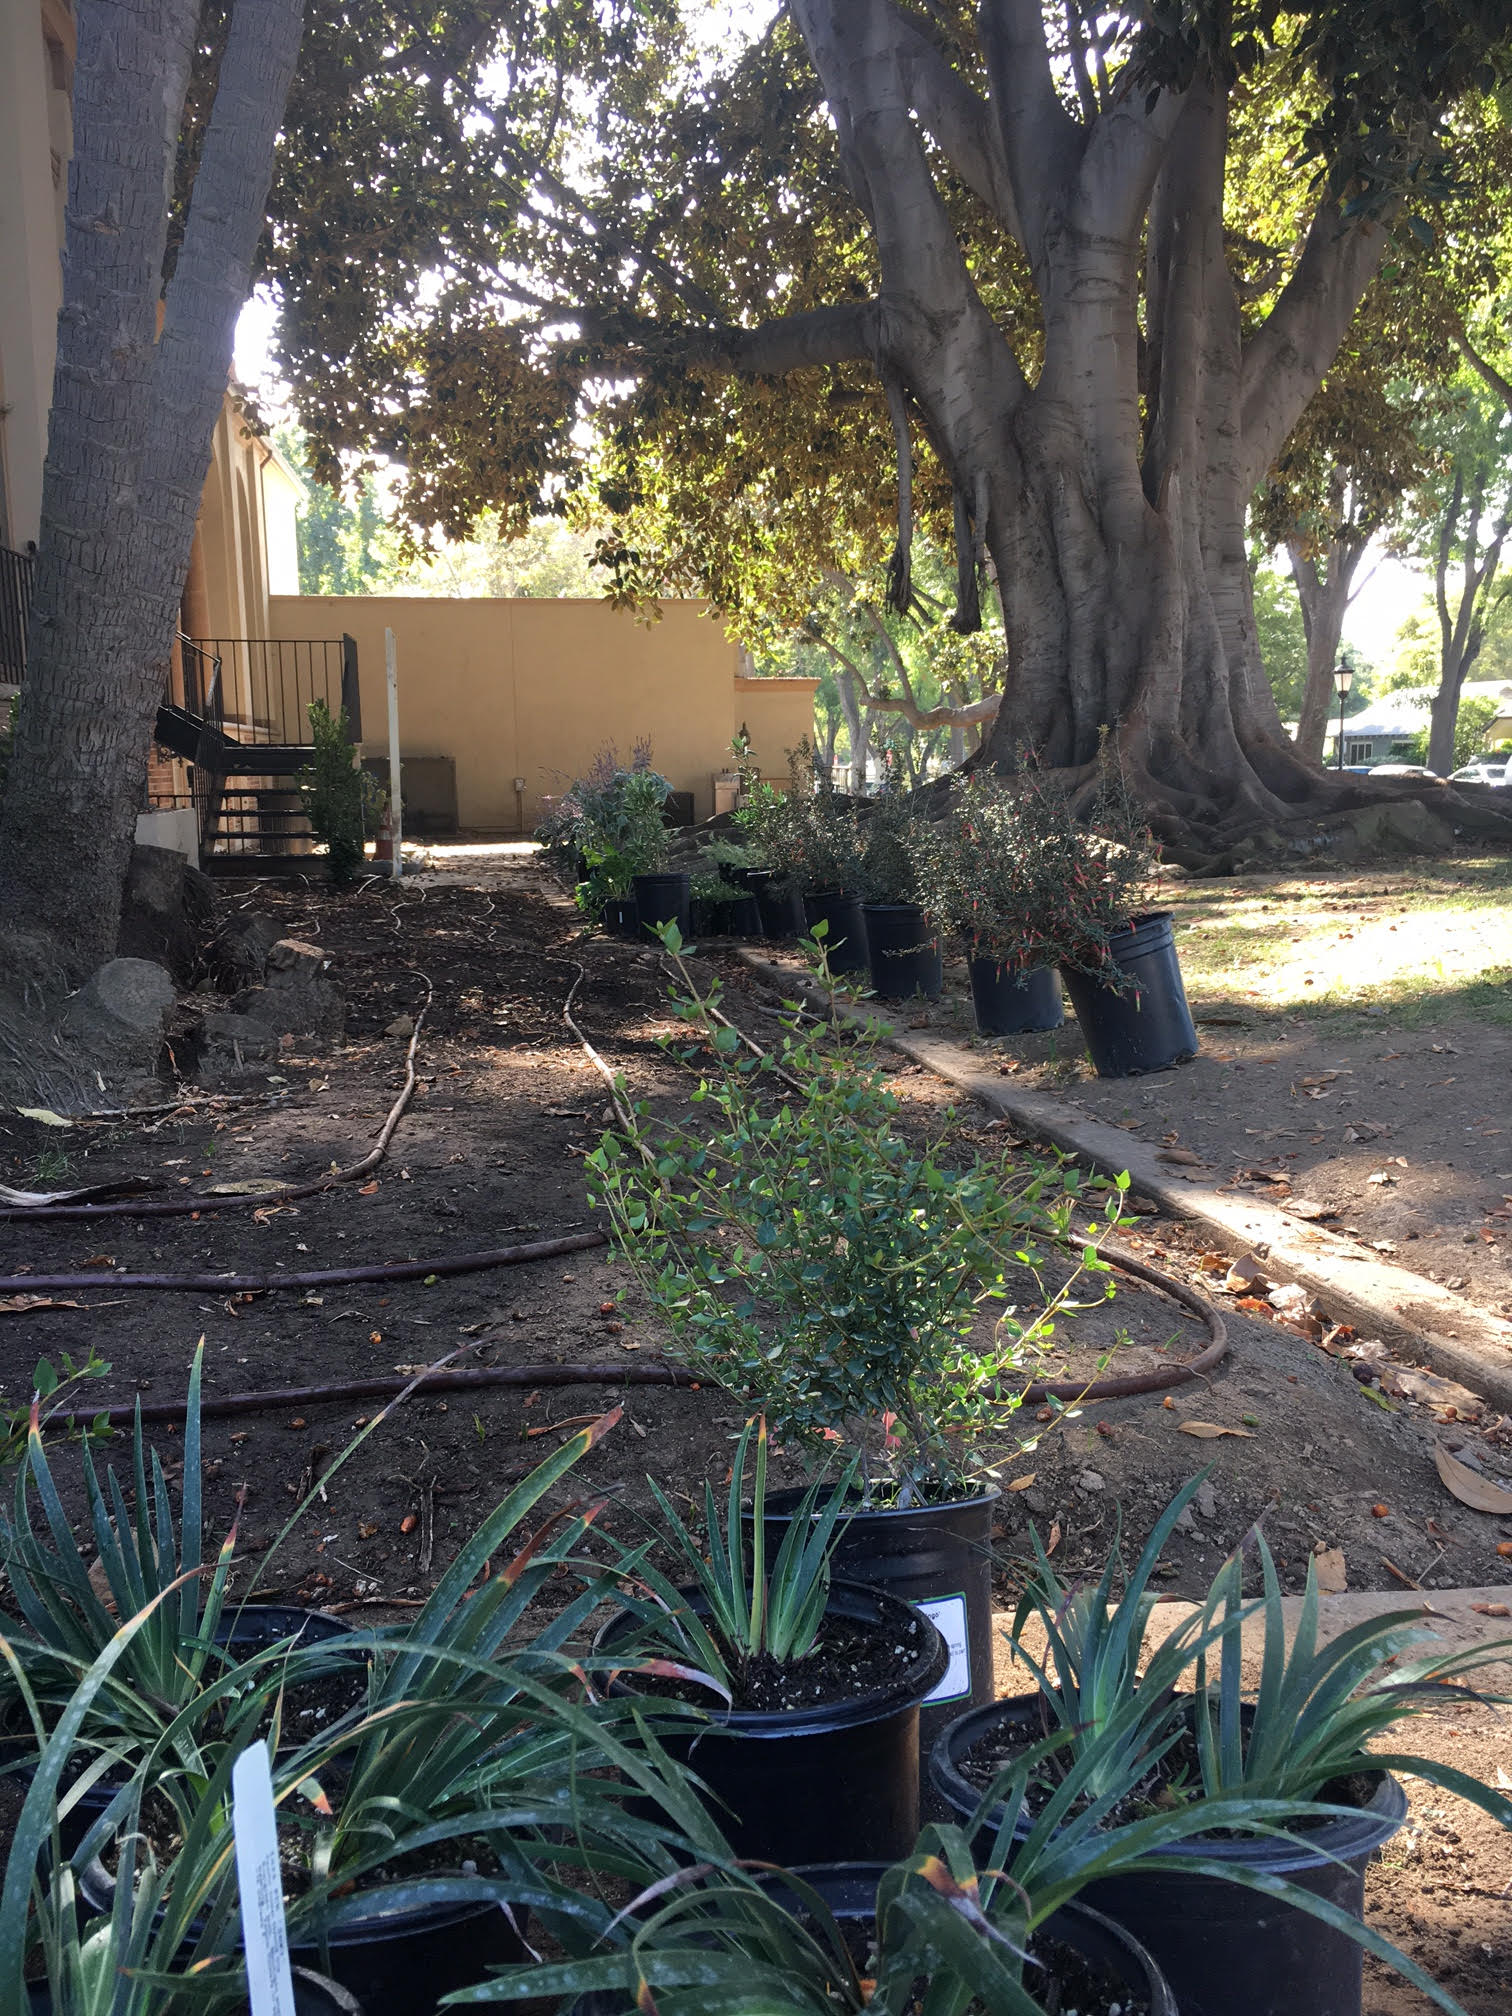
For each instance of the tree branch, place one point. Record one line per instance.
(1287, 357)
(956, 119)
(1487, 371)
(1041, 141)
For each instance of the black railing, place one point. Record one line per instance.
(16, 570)
(267, 684)
(199, 669)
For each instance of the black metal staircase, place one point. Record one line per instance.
(237, 711)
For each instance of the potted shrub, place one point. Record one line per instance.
(622, 836)
(815, 1746)
(732, 861)
(983, 880)
(1086, 884)
(903, 948)
(468, 1788)
(814, 838)
(845, 1308)
(1260, 1907)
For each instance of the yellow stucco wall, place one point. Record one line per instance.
(533, 687)
(777, 714)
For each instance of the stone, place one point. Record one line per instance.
(166, 911)
(117, 1017)
(402, 1025)
(1206, 1501)
(298, 997)
(1089, 1480)
(242, 1036)
(242, 945)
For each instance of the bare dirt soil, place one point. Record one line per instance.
(1356, 1029)
(490, 1154)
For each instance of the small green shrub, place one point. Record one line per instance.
(332, 788)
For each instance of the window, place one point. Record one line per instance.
(1359, 752)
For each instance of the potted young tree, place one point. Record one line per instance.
(903, 947)
(622, 837)
(1086, 884)
(854, 1287)
(811, 836)
(1288, 1794)
(814, 1749)
(985, 882)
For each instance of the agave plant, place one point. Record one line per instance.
(1320, 1711)
(751, 1614)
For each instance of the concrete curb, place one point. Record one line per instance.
(1427, 1323)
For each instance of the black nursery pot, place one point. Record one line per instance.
(1010, 1002)
(776, 899)
(742, 916)
(845, 940)
(937, 1557)
(1149, 1027)
(662, 899)
(904, 955)
(1225, 1950)
(839, 1779)
(620, 918)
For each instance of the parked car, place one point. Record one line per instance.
(1494, 774)
(1405, 770)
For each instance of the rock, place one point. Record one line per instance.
(1206, 1501)
(1089, 1480)
(166, 911)
(1403, 826)
(236, 1037)
(241, 948)
(298, 996)
(1037, 1502)
(402, 1025)
(117, 1017)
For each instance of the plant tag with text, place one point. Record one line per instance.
(948, 1615)
(265, 1938)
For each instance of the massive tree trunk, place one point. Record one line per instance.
(1111, 492)
(129, 441)
(1325, 593)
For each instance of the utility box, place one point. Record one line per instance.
(428, 785)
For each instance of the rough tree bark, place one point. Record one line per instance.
(1110, 494)
(128, 443)
(1325, 592)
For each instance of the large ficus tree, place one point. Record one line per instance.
(979, 256)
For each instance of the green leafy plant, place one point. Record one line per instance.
(1319, 1711)
(751, 1615)
(1015, 874)
(53, 1397)
(334, 793)
(891, 840)
(819, 1266)
(621, 833)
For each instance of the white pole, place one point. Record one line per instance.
(396, 802)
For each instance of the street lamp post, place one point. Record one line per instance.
(1343, 679)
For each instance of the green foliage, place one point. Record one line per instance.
(892, 836)
(1321, 1712)
(335, 796)
(1283, 643)
(616, 824)
(1017, 876)
(808, 832)
(752, 1616)
(1470, 724)
(57, 1390)
(822, 1269)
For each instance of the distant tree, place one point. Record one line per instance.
(1281, 636)
(1473, 719)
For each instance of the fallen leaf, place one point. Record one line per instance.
(1206, 1431)
(1183, 1156)
(253, 1187)
(369, 1189)
(1333, 1576)
(1266, 1175)
(366, 1532)
(18, 1305)
(1409, 1382)
(1491, 1610)
(1023, 1483)
(45, 1114)
(1303, 1207)
(408, 1523)
(1244, 1275)
(1504, 1548)
(1055, 1536)
(1479, 1493)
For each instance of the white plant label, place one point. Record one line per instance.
(948, 1615)
(265, 1938)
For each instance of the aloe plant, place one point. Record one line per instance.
(751, 1614)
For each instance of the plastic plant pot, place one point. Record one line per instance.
(1227, 1951)
(937, 1557)
(844, 1774)
(620, 918)
(777, 899)
(662, 899)
(845, 940)
(904, 955)
(1149, 1026)
(1010, 1002)
(742, 916)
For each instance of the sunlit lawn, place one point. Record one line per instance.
(1429, 939)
